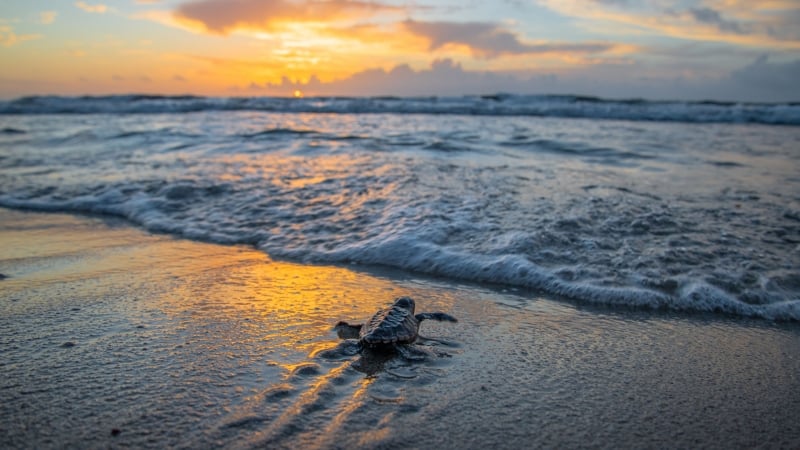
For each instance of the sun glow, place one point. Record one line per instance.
(298, 93)
(360, 47)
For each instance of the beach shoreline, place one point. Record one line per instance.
(117, 337)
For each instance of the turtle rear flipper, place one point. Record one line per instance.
(440, 316)
(346, 331)
(413, 353)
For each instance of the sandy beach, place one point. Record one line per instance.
(113, 337)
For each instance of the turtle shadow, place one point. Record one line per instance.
(372, 361)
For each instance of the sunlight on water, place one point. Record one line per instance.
(680, 216)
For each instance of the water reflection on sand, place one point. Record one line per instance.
(183, 344)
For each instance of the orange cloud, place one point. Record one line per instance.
(336, 38)
(168, 19)
(47, 17)
(99, 8)
(9, 38)
(309, 32)
(224, 16)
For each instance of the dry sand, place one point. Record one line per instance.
(111, 337)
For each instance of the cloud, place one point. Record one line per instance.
(346, 34)
(99, 8)
(760, 80)
(768, 24)
(444, 77)
(713, 17)
(782, 78)
(47, 17)
(491, 39)
(224, 16)
(9, 38)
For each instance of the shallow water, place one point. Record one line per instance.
(671, 215)
(175, 343)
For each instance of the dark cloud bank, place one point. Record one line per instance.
(489, 40)
(760, 81)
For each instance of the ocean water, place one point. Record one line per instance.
(672, 205)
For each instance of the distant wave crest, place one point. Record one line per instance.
(568, 106)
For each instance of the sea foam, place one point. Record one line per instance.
(567, 106)
(658, 215)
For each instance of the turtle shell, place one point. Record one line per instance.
(393, 325)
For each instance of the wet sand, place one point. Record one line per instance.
(112, 337)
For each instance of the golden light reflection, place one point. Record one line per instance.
(293, 307)
(220, 331)
(224, 318)
(279, 308)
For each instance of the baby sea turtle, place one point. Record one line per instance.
(391, 328)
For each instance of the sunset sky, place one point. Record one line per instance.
(701, 49)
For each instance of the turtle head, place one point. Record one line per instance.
(405, 303)
(346, 331)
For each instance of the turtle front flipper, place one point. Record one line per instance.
(346, 331)
(440, 316)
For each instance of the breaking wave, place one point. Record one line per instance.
(566, 106)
